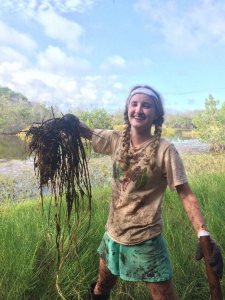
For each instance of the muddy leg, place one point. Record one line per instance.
(162, 290)
(106, 280)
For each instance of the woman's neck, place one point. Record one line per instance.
(138, 138)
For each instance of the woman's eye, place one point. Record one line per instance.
(147, 105)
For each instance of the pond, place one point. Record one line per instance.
(17, 178)
(13, 148)
(190, 145)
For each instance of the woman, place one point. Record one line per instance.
(144, 164)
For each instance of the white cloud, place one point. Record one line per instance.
(55, 60)
(58, 5)
(6, 71)
(67, 91)
(36, 84)
(89, 92)
(73, 5)
(9, 54)
(115, 61)
(187, 26)
(118, 86)
(107, 96)
(60, 28)
(12, 37)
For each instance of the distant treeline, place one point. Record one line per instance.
(17, 113)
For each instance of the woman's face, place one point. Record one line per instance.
(141, 112)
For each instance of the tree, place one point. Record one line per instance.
(96, 118)
(211, 124)
(180, 122)
(16, 112)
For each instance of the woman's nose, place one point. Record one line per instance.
(139, 108)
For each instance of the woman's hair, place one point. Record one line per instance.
(150, 157)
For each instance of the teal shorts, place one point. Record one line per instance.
(147, 261)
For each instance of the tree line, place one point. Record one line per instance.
(17, 112)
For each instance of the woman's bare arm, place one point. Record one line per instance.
(191, 206)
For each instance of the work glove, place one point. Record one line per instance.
(215, 259)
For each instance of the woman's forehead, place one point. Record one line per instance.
(142, 97)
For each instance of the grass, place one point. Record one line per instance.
(28, 253)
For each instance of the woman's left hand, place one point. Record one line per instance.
(215, 259)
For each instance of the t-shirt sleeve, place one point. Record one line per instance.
(173, 168)
(103, 141)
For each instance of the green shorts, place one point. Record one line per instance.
(147, 261)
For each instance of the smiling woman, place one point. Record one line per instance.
(144, 164)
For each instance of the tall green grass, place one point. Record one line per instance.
(189, 274)
(28, 252)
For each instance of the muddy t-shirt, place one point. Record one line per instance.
(135, 207)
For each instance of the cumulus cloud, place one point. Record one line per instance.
(9, 54)
(51, 66)
(12, 37)
(55, 60)
(41, 83)
(115, 61)
(60, 28)
(185, 27)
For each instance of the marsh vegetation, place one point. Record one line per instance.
(28, 252)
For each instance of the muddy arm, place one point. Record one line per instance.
(191, 206)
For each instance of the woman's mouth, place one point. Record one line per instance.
(139, 118)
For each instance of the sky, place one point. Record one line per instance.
(87, 54)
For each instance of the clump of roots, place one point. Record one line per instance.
(60, 164)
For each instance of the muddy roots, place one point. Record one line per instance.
(60, 164)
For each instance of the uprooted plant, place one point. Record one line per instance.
(60, 163)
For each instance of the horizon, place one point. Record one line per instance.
(90, 53)
(120, 110)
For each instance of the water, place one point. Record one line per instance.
(17, 178)
(190, 146)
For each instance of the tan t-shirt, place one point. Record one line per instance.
(135, 207)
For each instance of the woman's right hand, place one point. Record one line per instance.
(71, 118)
(85, 131)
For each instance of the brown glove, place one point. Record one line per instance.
(215, 259)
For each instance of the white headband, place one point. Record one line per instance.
(143, 90)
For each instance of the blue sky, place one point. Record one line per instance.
(89, 53)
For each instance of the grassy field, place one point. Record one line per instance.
(28, 252)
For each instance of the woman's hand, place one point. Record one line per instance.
(71, 118)
(85, 131)
(215, 258)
